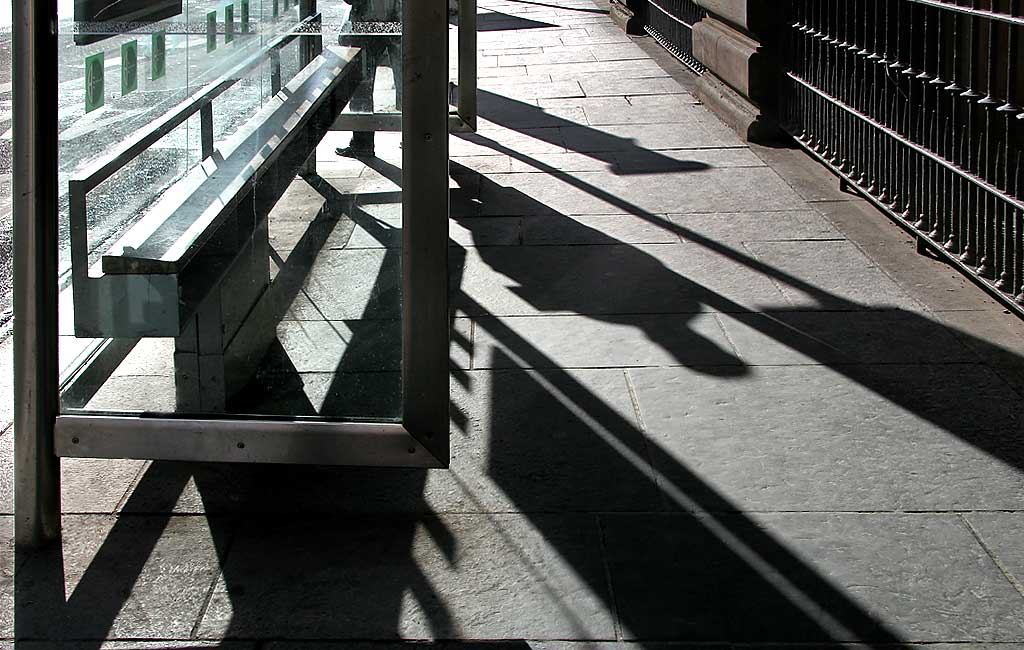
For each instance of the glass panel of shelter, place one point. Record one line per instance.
(219, 255)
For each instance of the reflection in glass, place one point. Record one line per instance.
(214, 260)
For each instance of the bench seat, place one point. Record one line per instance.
(150, 282)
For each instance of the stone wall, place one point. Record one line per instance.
(741, 83)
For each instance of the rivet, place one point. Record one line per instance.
(241, 445)
(74, 441)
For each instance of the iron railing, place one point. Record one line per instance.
(916, 103)
(670, 22)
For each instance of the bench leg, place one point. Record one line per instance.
(199, 384)
(224, 343)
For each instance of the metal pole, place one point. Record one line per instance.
(425, 223)
(36, 468)
(467, 62)
(310, 46)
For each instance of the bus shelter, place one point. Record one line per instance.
(205, 270)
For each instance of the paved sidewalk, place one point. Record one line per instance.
(698, 395)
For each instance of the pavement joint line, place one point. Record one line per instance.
(134, 483)
(725, 333)
(648, 445)
(992, 555)
(613, 604)
(222, 560)
(635, 401)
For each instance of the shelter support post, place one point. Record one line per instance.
(425, 224)
(36, 467)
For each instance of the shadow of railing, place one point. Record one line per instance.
(713, 573)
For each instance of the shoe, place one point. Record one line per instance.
(354, 152)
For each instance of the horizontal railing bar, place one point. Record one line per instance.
(238, 440)
(107, 166)
(976, 13)
(979, 182)
(675, 18)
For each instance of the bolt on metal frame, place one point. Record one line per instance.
(42, 434)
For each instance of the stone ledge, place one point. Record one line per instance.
(736, 59)
(749, 121)
(626, 18)
(751, 16)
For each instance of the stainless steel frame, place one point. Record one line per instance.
(240, 441)
(36, 468)
(42, 435)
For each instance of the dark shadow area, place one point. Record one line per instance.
(367, 381)
(622, 155)
(494, 21)
(988, 426)
(617, 285)
(562, 7)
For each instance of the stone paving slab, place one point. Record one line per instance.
(611, 279)
(444, 577)
(133, 577)
(593, 229)
(546, 441)
(526, 141)
(607, 52)
(620, 341)
(995, 337)
(714, 190)
(628, 162)
(515, 118)
(700, 133)
(1001, 533)
(735, 228)
(149, 358)
(932, 282)
(930, 579)
(349, 346)
(626, 69)
(371, 279)
(888, 438)
(823, 337)
(526, 90)
(595, 86)
(149, 394)
(625, 109)
(832, 275)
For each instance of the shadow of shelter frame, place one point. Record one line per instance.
(42, 435)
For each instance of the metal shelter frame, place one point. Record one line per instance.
(43, 435)
(461, 95)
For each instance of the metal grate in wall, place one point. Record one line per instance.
(670, 22)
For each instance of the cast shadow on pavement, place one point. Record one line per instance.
(305, 553)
